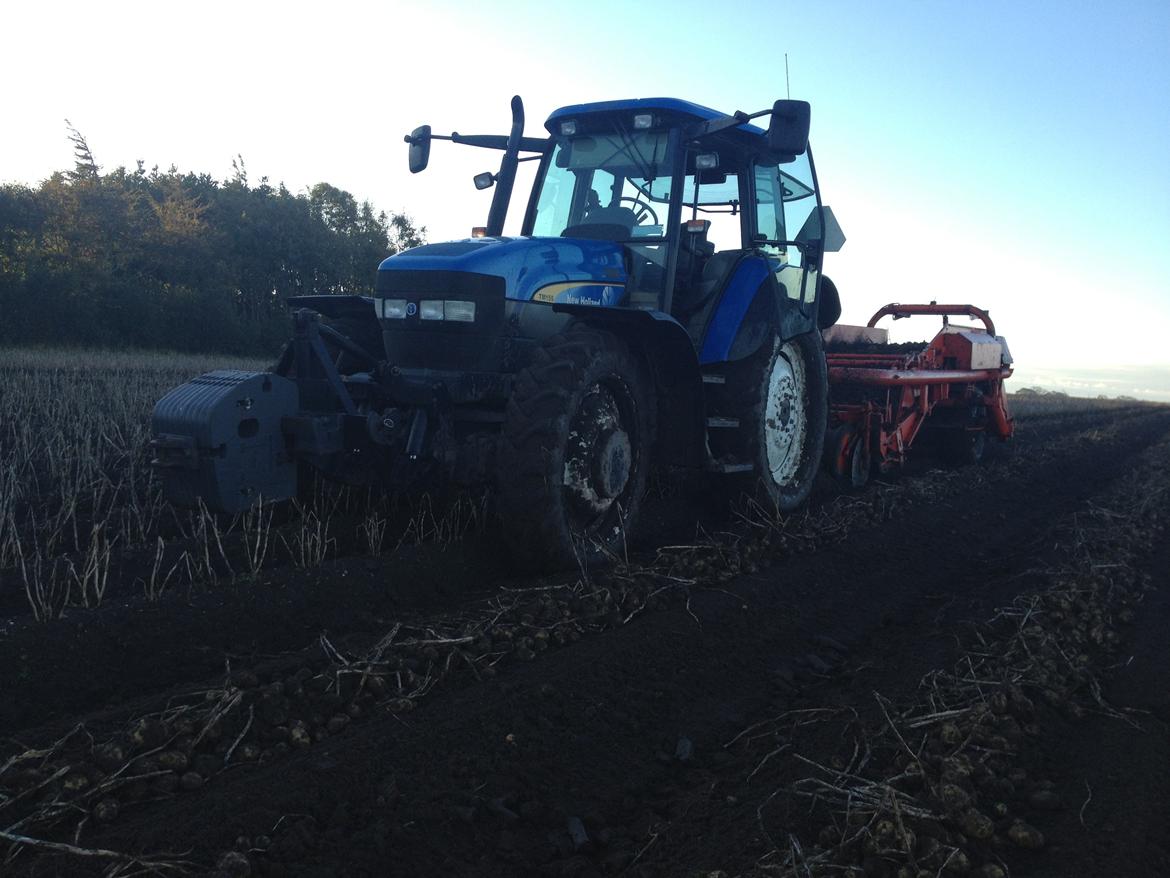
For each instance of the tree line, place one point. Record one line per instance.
(182, 261)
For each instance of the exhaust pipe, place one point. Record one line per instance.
(506, 178)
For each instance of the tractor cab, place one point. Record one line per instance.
(687, 200)
(652, 204)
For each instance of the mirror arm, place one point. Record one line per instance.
(487, 141)
(713, 126)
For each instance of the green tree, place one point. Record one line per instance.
(180, 260)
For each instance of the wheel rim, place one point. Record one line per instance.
(785, 418)
(600, 458)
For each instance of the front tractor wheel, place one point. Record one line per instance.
(574, 452)
(782, 393)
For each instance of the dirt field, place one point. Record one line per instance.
(953, 672)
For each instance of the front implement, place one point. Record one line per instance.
(883, 397)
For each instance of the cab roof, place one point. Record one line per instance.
(672, 106)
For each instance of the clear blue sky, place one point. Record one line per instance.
(1016, 155)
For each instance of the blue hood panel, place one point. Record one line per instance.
(572, 270)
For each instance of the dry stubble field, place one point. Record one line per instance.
(954, 672)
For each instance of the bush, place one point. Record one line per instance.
(178, 260)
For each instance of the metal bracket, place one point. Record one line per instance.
(308, 344)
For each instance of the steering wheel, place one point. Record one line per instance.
(641, 210)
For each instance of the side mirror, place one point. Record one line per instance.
(486, 180)
(788, 130)
(420, 148)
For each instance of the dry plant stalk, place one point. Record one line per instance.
(256, 528)
(155, 586)
(91, 582)
(311, 543)
(373, 530)
(46, 585)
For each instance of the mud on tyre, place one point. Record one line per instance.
(575, 451)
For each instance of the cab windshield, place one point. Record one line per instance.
(597, 185)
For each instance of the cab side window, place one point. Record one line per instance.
(718, 201)
(769, 207)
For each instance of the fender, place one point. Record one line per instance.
(666, 348)
(751, 303)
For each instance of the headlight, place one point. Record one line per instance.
(393, 309)
(447, 309)
(461, 311)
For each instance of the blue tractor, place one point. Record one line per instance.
(661, 307)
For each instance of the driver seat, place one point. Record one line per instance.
(604, 224)
(693, 252)
(694, 309)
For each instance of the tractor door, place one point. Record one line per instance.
(788, 229)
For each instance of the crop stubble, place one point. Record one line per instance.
(573, 726)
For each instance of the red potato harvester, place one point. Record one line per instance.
(883, 397)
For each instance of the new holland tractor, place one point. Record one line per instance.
(661, 307)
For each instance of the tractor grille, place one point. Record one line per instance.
(442, 344)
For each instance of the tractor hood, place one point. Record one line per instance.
(569, 270)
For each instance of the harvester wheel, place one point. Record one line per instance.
(848, 457)
(964, 447)
(575, 451)
(860, 463)
(781, 395)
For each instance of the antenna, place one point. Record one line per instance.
(787, 84)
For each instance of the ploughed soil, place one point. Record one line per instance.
(619, 749)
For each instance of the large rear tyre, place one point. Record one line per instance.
(782, 400)
(575, 452)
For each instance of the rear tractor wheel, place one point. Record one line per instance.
(781, 394)
(575, 452)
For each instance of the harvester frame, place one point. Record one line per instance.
(882, 401)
